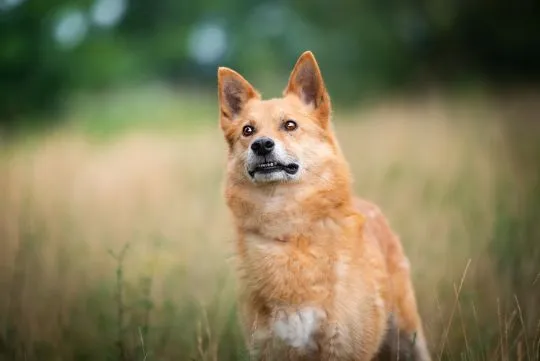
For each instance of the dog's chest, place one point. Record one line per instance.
(289, 271)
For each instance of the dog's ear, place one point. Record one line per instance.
(233, 92)
(307, 83)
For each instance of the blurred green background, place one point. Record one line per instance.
(115, 243)
(51, 49)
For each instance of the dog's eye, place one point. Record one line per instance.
(248, 130)
(290, 125)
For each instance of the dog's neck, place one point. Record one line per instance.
(283, 211)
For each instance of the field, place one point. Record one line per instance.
(116, 243)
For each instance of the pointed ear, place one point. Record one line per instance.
(307, 83)
(233, 92)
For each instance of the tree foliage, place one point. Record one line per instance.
(363, 45)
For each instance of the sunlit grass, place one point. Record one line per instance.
(124, 249)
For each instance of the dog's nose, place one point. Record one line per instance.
(262, 146)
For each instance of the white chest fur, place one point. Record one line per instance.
(299, 328)
(297, 319)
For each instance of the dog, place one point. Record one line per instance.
(321, 274)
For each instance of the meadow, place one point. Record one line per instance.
(115, 242)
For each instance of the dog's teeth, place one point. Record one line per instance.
(267, 165)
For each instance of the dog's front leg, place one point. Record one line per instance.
(333, 349)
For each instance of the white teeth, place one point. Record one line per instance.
(266, 165)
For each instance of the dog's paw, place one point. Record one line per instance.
(298, 328)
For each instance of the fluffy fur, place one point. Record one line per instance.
(322, 275)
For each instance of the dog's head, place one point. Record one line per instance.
(283, 140)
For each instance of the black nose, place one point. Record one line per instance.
(262, 146)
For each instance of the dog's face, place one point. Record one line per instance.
(278, 140)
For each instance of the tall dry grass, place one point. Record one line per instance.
(121, 249)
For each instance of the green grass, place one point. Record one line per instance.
(142, 170)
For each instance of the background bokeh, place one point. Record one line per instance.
(115, 243)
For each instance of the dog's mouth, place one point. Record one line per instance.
(270, 167)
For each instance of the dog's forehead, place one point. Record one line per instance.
(270, 110)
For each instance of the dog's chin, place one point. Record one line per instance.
(271, 177)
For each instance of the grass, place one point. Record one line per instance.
(116, 243)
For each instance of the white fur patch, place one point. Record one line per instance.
(297, 329)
